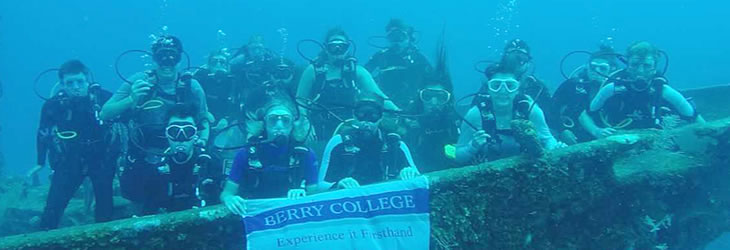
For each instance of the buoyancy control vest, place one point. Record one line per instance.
(498, 147)
(272, 177)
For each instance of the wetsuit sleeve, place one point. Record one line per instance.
(407, 154)
(374, 62)
(105, 96)
(537, 117)
(677, 100)
(44, 132)
(120, 102)
(603, 95)
(311, 176)
(240, 162)
(124, 91)
(199, 93)
(464, 151)
(366, 83)
(327, 156)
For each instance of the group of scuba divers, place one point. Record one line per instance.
(252, 124)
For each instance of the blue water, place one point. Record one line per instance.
(36, 35)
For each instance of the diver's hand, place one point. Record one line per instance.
(620, 89)
(33, 171)
(140, 89)
(206, 182)
(295, 194)
(163, 169)
(479, 140)
(603, 132)
(409, 173)
(222, 123)
(568, 136)
(347, 183)
(235, 204)
(560, 144)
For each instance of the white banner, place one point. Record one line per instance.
(392, 215)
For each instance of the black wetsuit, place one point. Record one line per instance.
(77, 146)
(367, 158)
(221, 94)
(177, 187)
(428, 140)
(400, 74)
(569, 101)
(537, 90)
(266, 171)
(257, 78)
(147, 142)
(633, 109)
(334, 97)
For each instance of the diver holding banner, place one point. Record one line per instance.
(391, 215)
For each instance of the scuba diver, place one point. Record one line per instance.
(77, 144)
(332, 81)
(223, 91)
(516, 59)
(182, 167)
(361, 154)
(435, 123)
(637, 97)
(262, 74)
(575, 94)
(487, 133)
(220, 88)
(400, 69)
(145, 101)
(274, 164)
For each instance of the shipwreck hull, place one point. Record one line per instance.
(712, 102)
(635, 191)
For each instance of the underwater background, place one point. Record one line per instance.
(36, 35)
(39, 34)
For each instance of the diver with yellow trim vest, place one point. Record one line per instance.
(145, 101)
(637, 97)
(76, 143)
(400, 69)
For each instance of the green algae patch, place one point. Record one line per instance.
(653, 163)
